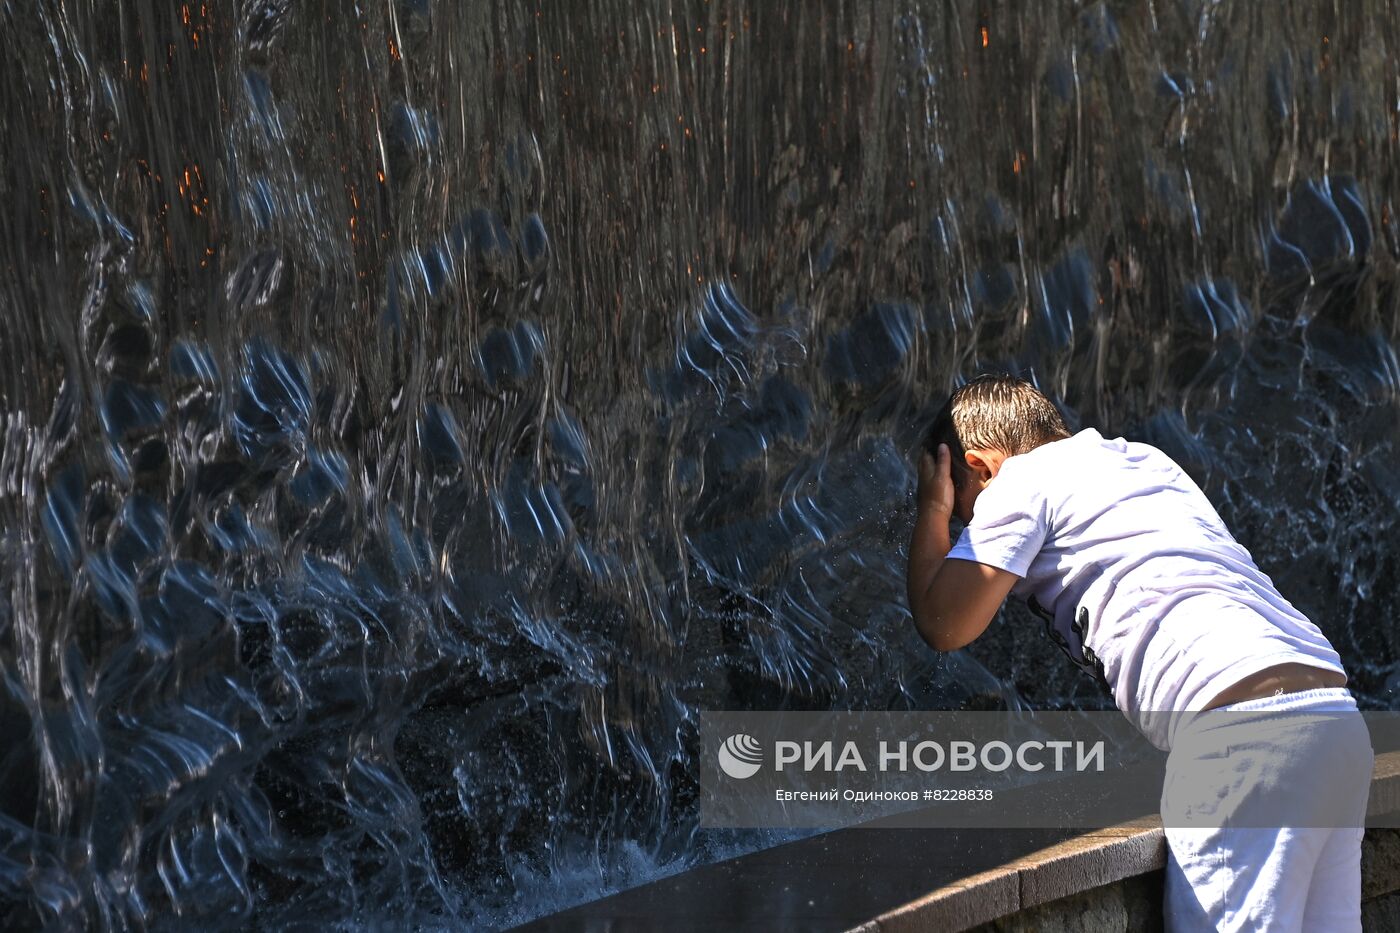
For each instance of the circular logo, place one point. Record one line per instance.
(741, 756)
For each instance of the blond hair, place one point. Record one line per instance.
(996, 411)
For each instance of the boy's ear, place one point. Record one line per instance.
(984, 464)
(975, 464)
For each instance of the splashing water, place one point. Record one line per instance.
(415, 412)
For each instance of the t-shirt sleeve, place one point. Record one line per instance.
(1008, 526)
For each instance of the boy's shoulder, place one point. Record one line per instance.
(1090, 446)
(1062, 454)
(1089, 460)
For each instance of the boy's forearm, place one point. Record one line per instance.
(927, 551)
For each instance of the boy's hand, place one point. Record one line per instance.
(952, 600)
(936, 482)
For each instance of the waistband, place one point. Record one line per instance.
(1321, 700)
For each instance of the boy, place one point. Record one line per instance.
(1140, 583)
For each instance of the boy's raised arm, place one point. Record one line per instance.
(952, 601)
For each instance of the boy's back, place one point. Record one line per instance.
(1144, 581)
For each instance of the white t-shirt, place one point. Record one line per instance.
(1136, 575)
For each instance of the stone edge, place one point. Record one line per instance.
(1089, 861)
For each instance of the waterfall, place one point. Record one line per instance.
(415, 412)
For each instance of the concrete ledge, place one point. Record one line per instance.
(1385, 786)
(1086, 863)
(1084, 883)
(881, 879)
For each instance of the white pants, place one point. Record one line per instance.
(1230, 778)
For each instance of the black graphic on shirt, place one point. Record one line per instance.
(1087, 661)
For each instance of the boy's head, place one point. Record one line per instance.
(986, 420)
